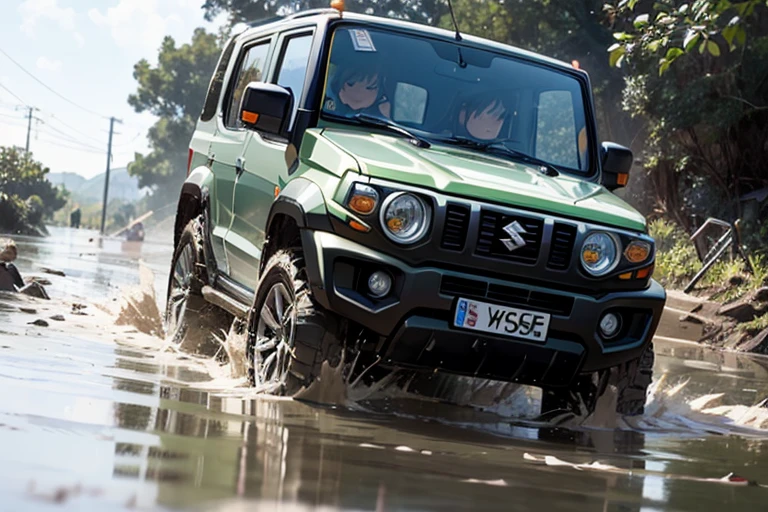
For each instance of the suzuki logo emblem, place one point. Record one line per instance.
(515, 240)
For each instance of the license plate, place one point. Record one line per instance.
(506, 321)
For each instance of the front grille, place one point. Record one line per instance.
(563, 236)
(491, 234)
(511, 295)
(455, 227)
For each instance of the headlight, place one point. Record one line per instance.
(404, 217)
(599, 253)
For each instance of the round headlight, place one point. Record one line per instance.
(599, 253)
(404, 217)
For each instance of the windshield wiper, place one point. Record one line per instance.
(390, 126)
(500, 149)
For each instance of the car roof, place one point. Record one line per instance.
(408, 26)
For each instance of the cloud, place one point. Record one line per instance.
(139, 23)
(33, 11)
(79, 39)
(47, 64)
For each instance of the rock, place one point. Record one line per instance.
(693, 319)
(8, 251)
(31, 311)
(39, 322)
(37, 279)
(10, 279)
(740, 311)
(758, 344)
(53, 271)
(35, 290)
(77, 309)
(58, 318)
(761, 294)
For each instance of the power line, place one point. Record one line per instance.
(73, 148)
(12, 93)
(54, 118)
(69, 137)
(54, 91)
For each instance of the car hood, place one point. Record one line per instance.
(465, 173)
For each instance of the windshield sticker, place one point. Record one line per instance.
(361, 40)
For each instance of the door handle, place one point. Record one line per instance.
(239, 165)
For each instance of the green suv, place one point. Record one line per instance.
(391, 195)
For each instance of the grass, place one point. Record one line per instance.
(677, 262)
(755, 326)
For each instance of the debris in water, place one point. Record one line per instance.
(550, 460)
(404, 449)
(34, 289)
(31, 311)
(329, 388)
(77, 309)
(52, 271)
(58, 318)
(496, 483)
(39, 322)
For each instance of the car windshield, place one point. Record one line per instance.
(453, 94)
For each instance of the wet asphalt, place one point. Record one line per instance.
(100, 416)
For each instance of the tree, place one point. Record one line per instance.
(174, 90)
(707, 115)
(27, 198)
(421, 11)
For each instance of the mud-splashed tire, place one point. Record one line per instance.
(631, 380)
(188, 316)
(317, 335)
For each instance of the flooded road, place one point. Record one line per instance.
(100, 416)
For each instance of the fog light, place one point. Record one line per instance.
(379, 283)
(610, 325)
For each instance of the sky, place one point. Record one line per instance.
(84, 50)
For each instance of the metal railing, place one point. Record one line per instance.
(731, 239)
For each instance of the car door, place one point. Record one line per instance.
(227, 143)
(263, 163)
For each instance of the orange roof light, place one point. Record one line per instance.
(575, 63)
(338, 5)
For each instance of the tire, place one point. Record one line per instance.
(286, 352)
(189, 319)
(631, 381)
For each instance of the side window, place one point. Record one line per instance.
(251, 70)
(293, 67)
(217, 80)
(556, 129)
(410, 103)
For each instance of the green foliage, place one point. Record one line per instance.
(672, 29)
(423, 11)
(174, 90)
(676, 258)
(27, 198)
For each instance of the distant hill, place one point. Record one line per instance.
(121, 186)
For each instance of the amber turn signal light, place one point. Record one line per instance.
(622, 179)
(637, 251)
(357, 226)
(363, 199)
(625, 276)
(646, 272)
(249, 117)
(362, 204)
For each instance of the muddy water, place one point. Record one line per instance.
(99, 416)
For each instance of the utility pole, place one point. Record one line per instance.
(112, 122)
(29, 126)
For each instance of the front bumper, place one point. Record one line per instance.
(414, 320)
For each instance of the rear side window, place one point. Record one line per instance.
(217, 83)
(252, 68)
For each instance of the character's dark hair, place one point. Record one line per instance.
(480, 102)
(353, 73)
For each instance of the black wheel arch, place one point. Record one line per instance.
(194, 202)
(289, 216)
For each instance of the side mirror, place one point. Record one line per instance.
(266, 108)
(617, 161)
